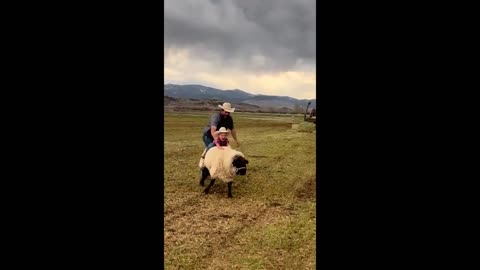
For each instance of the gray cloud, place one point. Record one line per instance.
(256, 34)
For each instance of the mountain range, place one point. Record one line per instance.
(235, 96)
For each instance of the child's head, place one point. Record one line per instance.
(222, 136)
(222, 133)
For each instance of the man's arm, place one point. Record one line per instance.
(214, 121)
(234, 135)
(212, 131)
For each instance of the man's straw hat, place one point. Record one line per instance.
(227, 107)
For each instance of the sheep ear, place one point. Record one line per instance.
(246, 161)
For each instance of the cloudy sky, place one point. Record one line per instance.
(259, 46)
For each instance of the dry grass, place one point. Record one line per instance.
(305, 127)
(269, 223)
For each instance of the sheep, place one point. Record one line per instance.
(223, 164)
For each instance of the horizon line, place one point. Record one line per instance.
(241, 90)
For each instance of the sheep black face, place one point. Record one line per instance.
(240, 165)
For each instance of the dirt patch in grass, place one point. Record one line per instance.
(307, 192)
(197, 230)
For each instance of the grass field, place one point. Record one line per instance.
(270, 221)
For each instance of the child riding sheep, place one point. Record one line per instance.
(220, 141)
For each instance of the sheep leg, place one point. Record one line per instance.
(205, 174)
(229, 190)
(207, 189)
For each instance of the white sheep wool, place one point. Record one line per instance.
(219, 163)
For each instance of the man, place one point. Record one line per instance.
(218, 120)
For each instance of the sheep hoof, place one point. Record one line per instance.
(202, 183)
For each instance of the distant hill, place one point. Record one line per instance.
(236, 97)
(187, 104)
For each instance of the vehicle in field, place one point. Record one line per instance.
(312, 116)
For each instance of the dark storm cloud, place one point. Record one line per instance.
(281, 31)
